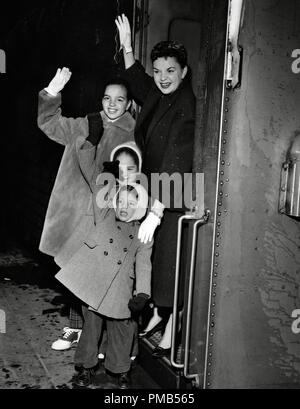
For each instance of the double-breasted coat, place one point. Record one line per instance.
(109, 264)
(101, 197)
(71, 196)
(165, 134)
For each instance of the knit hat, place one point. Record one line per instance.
(131, 145)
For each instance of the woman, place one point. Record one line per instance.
(165, 134)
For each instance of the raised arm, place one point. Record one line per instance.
(50, 120)
(140, 82)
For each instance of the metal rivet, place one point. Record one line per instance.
(218, 234)
(228, 163)
(219, 224)
(222, 172)
(217, 254)
(220, 204)
(226, 109)
(225, 120)
(215, 275)
(217, 244)
(227, 180)
(214, 285)
(226, 99)
(216, 264)
(213, 304)
(224, 141)
(223, 152)
(225, 131)
(221, 193)
(214, 294)
(221, 183)
(209, 364)
(223, 162)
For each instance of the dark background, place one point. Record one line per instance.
(38, 36)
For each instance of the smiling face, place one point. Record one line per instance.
(127, 167)
(168, 74)
(126, 205)
(114, 101)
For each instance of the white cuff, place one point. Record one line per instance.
(127, 50)
(51, 92)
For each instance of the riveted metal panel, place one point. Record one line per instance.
(257, 277)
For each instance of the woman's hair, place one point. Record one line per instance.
(129, 152)
(119, 81)
(170, 49)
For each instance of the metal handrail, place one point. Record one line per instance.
(201, 221)
(177, 268)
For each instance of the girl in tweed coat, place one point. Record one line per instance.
(102, 273)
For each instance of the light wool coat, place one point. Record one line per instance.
(110, 263)
(71, 196)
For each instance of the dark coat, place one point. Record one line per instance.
(71, 196)
(102, 273)
(165, 134)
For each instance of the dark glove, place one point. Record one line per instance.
(95, 128)
(138, 302)
(112, 167)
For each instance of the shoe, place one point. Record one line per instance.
(124, 380)
(158, 327)
(70, 337)
(160, 352)
(84, 377)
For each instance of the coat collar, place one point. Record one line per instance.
(125, 122)
(153, 100)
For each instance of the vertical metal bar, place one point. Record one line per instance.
(176, 284)
(216, 205)
(190, 299)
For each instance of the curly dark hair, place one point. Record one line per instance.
(170, 49)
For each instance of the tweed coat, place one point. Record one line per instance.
(104, 271)
(165, 134)
(71, 196)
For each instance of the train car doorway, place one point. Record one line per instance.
(201, 27)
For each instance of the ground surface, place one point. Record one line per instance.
(34, 307)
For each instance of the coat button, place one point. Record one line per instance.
(111, 240)
(106, 253)
(131, 236)
(119, 262)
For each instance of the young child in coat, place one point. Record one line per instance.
(71, 195)
(103, 273)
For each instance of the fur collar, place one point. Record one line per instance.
(125, 122)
